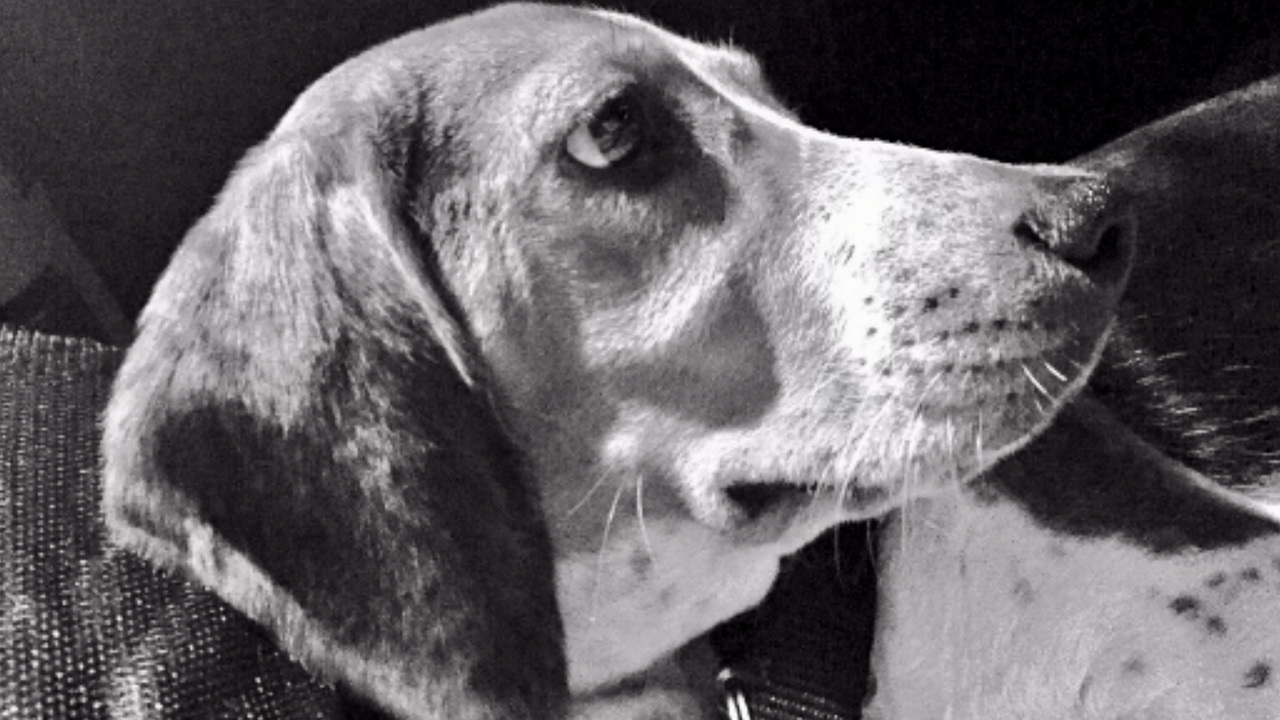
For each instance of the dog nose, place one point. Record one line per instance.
(1086, 221)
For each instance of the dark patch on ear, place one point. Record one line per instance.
(1258, 676)
(396, 514)
(1154, 398)
(1204, 295)
(1216, 580)
(423, 158)
(1251, 575)
(1086, 481)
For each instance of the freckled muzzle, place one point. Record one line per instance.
(944, 307)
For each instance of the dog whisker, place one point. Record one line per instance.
(644, 529)
(587, 495)
(977, 441)
(1036, 383)
(861, 448)
(1055, 372)
(604, 546)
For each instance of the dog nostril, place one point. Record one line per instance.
(1084, 221)
(1109, 249)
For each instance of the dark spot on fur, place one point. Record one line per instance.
(944, 336)
(641, 562)
(984, 493)
(1083, 694)
(1216, 626)
(930, 304)
(999, 325)
(948, 368)
(1185, 605)
(1258, 676)
(1023, 592)
(953, 293)
(977, 368)
(1216, 580)
(895, 312)
(970, 327)
(1024, 325)
(1011, 397)
(1251, 575)
(868, 300)
(1134, 666)
(872, 331)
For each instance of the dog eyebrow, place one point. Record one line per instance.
(723, 67)
(738, 64)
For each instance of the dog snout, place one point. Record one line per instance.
(1086, 221)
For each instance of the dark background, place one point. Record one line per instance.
(131, 113)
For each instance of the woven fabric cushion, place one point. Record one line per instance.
(89, 631)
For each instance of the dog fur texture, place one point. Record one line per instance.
(1126, 565)
(525, 346)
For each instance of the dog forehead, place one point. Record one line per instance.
(571, 49)
(542, 61)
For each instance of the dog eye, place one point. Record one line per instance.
(611, 136)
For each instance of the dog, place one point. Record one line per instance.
(527, 344)
(1126, 564)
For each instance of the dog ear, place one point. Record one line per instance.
(298, 427)
(1203, 304)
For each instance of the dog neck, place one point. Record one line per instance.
(1028, 596)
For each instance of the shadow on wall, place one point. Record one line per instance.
(132, 113)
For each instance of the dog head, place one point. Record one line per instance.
(543, 282)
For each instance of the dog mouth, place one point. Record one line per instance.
(755, 502)
(806, 650)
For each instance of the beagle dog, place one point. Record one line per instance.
(527, 344)
(1126, 564)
